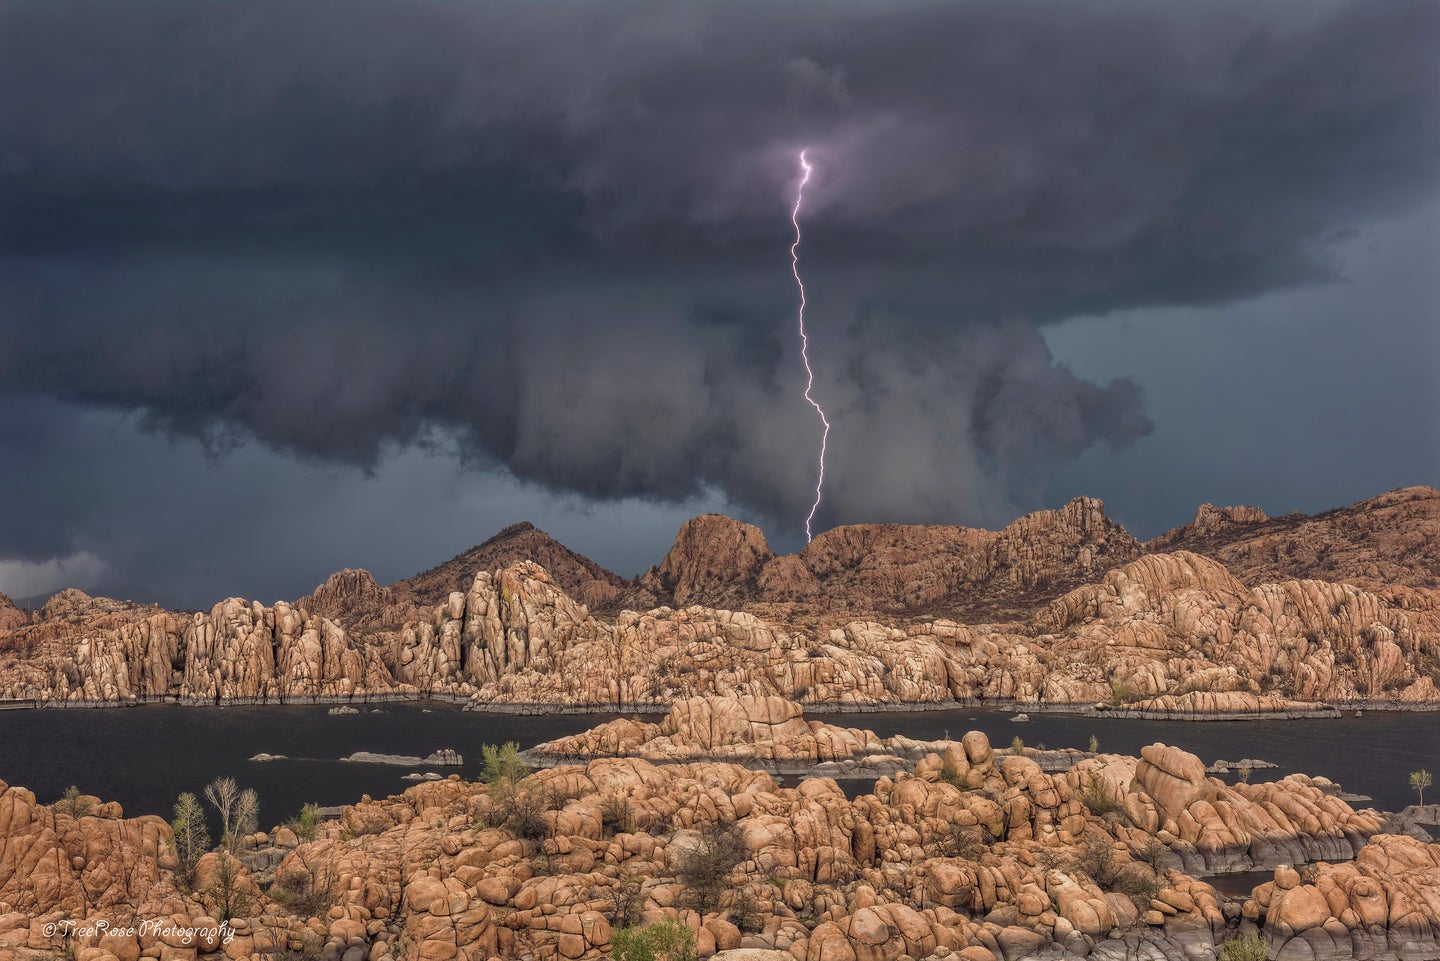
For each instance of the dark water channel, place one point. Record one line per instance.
(144, 756)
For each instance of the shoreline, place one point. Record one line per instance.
(1319, 710)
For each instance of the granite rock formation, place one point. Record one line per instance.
(1173, 632)
(353, 598)
(1393, 539)
(866, 568)
(1160, 634)
(969, 854)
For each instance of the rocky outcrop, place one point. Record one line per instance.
(1173, 633)
(1216, 705)
(770, 732)
(112, 652)
(353, 598)
(444, 757)
(11, 617)
(79, 860)
(1393, 539)
(720, 562)
(1384, 904)
(716, 560)
(576, 575)
(1214, 828)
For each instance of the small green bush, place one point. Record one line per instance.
(1245, 947)
(503, 765)
(306, 824)
(663, 941)
(1097, 798)
(192, 836)
(73, 803)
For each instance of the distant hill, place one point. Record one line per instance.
(1390, 539)
(352, 597)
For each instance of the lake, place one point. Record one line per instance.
(144, 756)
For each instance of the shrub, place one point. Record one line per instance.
(745, 913)
(192, 836)
(1246, 947)
(312, 948)
(524, 816)
(625, 901)
(704, 869)
(1097, 859)
(225, 896)
(504, 765)
(1017, 745)
(1419, 781)
(664, 941)
(1139, 884)
(73, 803)
(1151, 853)
(303, 895)
(1094, 744)
(616, 817)
(965, 842)
(307, 823)
(1121, 692)
(1098, 798)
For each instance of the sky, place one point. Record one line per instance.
(291, 288)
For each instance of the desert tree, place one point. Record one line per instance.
(1419, 781)
(192, 837)
(705, 868)
(239, 810)
(226, 894)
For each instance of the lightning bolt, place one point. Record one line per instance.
(805, 168)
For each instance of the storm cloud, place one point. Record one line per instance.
(552, 238)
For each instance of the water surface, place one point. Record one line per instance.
(144, 756)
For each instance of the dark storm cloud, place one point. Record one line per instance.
(558, 232)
